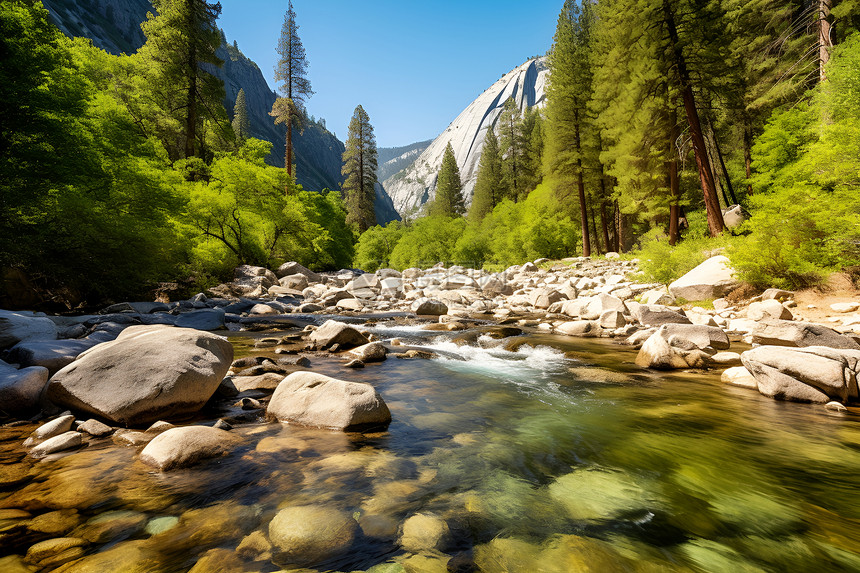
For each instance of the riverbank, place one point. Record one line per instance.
(438, 362)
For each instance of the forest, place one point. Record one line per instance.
(128, 176)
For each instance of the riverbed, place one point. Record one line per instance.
(538, 453)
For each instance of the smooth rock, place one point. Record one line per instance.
(95, 428)
(725, 359)
(296, 281)
(334, 332)
(768, 310)
(65, 441)
(425, 532)
(739, 376)
(836, 407)
(148, 373)
(656, 315)
(53, 428)
(183, 447)
(18, 326)
(20, 389)
(315, 400)
(208, 319)
(51, 354)
(293, 268)
(845, 307)
(587, 328)
(799, 334)
(812, 374)
(612, 319)
(429, 307)
(304, 535)
(371, 352)
(777, 294)
(713, 278)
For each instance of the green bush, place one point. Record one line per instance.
(663, 263)
(375, 245)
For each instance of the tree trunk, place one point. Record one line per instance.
(748, 158)
(580, 184)
(597, 246)
(616, 232)
(191, 95)
(824, 41)
(289, 157)
(674, 183)
(723, 167)
(712, 202)
(605, 226)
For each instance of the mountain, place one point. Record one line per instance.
(114, 26)
(414, 186)
(394, 159)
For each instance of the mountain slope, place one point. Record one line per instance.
(394, 159)
(414, 186)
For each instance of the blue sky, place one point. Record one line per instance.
(413, 65)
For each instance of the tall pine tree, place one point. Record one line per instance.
(512, 144)
(180, 38)
(569, 92)
(449, 188)
(488, 187)
(359, 170)
(291, 71)
(241, 123)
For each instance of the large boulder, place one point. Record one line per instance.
(207, 319)
(20, 389)
(293, 268)
(543, 298)
(18, 326)
(656, 315)
(148, 373)
(677, 346)
(333, 332)
(304, 535)
(768, 310)
(429, 307)
(712, 279)
(799, 334)
(249, 272)
(813, 374)
(311, 399)
(183, 447)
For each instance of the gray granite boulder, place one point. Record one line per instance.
(815, 374)
(52, 354)
(20, 389)
(207, 319)
(148, 373)
(711, 279)
(799, 334)
(429, 307)
(311, 399)
(18, 326)
(333, 332)
(678, 346)
(304, 535)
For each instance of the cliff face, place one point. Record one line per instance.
(414, 186)
(395, 159)
(114, 25)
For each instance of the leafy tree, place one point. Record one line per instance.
(376, 245)
(449, 188)
(241, 123)
(359, 170)
(291, 71)
(181, 39)
(488, 187)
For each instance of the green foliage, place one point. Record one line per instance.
(359, 170)
(241, 123)
(375, 246)
(488, 187)
(663, 263)
(449, 188)
(427, 241)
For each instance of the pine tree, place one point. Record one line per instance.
(569, 92)
(179, 39)
(512, 144)
(534, 144)
(449, 188)
(241, 123)
(488, 187)
(359, 170)
(291, 71)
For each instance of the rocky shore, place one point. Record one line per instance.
(137, 374)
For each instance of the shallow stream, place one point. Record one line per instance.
(555, 455)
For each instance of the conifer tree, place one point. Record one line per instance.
(179, 39)
(241, 123)
(533, 160)
(488, 187)
(512, 145)
(449, 188)
(569, 92)
(291, 71)
(359, 170)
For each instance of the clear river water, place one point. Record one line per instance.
(541, 453)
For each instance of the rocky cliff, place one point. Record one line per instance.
(114, 25)
(395, 159)
(414, 186)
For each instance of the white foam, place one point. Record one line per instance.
(526, 365)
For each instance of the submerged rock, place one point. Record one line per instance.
(148, 373)
(308, 534)
(315, 400)
(597, 494)
(425, 532)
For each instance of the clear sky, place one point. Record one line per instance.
(413, 65)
